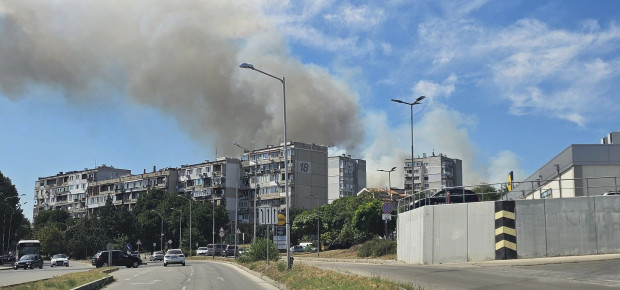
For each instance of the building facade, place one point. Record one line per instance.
(433, 172)
(346, 176)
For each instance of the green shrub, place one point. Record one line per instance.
(282, 267)
(377, 248)
(258, 252)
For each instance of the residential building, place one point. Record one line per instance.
(263, 173)
(346, 176)
(68, 190)
(433, 172)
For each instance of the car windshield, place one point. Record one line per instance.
(175, 252)
(59, 256)
(28, 257)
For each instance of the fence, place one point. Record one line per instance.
(536, 189)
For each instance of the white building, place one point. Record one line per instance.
(346, 176)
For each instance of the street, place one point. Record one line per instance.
(553, 273)
(194, 275)
(11, 277)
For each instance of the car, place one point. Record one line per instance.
(29, 261)
(202, 251)
(229, 251)
(447, 195)
(135, 254)
(297, 249)
(158, 255)
(612, 193)
(119, 258)
(174, 256)
(60, 260)
(215, 249)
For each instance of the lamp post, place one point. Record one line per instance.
(19, 205)
(417, 102)
(3, 222)
(180, 216)
(161, 231)
(287, 201)
(389, 172)
(190, 224)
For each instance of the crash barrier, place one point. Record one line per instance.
(543, 228)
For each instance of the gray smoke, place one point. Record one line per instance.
(181, 59)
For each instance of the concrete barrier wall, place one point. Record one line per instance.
(544, 228)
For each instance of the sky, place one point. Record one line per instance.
(137, 84)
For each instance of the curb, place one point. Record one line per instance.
(98, 284)
(257, 274)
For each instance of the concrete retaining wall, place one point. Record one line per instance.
(544, 228)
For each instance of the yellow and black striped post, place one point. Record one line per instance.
(505, 230)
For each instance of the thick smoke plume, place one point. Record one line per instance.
(181, 58)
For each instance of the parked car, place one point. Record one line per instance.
(174, 256)
(229, 251)
(60, 260)
(158, 255)
(612, 193)
(297, 249)
(243, 251)
(448, 195)
(29, 261)
(215, 249)
(119, 258)
(202, 251)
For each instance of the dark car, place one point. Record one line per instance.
(29, 262)
(229, 251)
(119, 258)
(448, 195)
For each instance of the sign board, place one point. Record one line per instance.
(281, 219)
(268, 215)
(221, 232)
(128, 247)
(386, 208)
(139, 243)
(110, 246)
(281, 244)
(386, 217)
(154, 244)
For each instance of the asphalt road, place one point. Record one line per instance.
(524, 274)
(194, 275)
(8, 276)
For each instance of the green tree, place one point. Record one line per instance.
(487, 192)
(12, 214)
(367, 218)
(52, 240)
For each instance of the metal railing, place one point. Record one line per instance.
(536, 189)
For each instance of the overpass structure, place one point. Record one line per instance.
(510, 229)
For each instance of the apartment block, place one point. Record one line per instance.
(346, 176)
(263, 177)
(433, 172)
(68, 190)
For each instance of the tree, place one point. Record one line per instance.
(52, 239)
(367, 218)
(487, 192)
(12, 215)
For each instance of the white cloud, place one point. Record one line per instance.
(362, 17)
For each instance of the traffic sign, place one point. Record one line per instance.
(221, 232)
(128, 247)
(139, 243)
(387, 207)
(268, 215)
(281, 219)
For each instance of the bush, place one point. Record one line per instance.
(377, 248)
(258, 252)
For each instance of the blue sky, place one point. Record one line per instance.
(509, 84)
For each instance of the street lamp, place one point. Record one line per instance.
(180, 216)
(190, 224)
(19, 205)
(389, 172)
(417, 102)
(245, 150)
(161, 231)
(287, 201)
(4, 221)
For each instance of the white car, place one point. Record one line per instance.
(202, 251)
(60, 260)
(174, 256)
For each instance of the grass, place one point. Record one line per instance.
(67, 281)
(308, 277)
(350, 253)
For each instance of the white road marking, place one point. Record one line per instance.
(146, 283)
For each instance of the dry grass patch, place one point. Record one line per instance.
(350, 253)
(308, 277)
(67, 281)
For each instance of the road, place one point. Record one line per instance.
(542, 274)
(194, 275)
(11, 277)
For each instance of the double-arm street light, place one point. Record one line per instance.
(161, 231)
(287, 201)
(416, 102)
(180, 216)
(389, 172)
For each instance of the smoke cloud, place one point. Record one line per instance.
(181, 59)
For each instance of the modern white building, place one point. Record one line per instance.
(346, 176)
